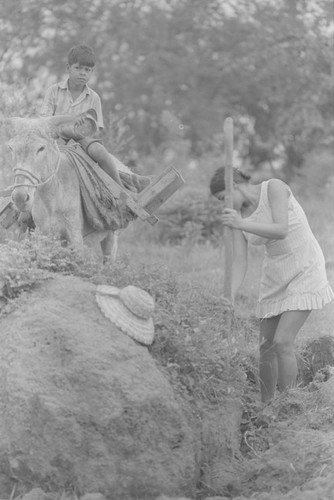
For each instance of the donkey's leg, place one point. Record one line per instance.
(68, 225)
(74, 236)
(109, 246)
(72, 220)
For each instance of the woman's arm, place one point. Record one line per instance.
(240, 259)
(278, 200)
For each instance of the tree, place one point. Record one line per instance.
(268, 62)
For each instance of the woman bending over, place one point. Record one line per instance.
(293, 278)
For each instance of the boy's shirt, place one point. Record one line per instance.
(58, 101)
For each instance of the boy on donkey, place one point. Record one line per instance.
(73, 96)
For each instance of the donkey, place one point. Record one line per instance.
(47, 185)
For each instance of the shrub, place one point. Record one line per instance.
(190, 216)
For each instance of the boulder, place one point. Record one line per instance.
(83, 407)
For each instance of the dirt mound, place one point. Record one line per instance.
(84, 407)
(291, 447)
(86, 412)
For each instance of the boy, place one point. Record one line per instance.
(73, 96)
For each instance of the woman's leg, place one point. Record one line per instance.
(268, 358)
(288, 326)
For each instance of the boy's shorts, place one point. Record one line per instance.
(87, 141)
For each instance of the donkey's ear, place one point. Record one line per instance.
(14, 125)
(56, 124)
(74, 127)
(52, 125)
(60, 120)
(52, 130)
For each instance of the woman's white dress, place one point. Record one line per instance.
(293, 272)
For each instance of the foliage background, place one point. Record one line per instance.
(172, 70)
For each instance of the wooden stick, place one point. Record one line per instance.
(228, 147)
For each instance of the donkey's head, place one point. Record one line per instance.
(35, 153)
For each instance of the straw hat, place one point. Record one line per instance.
(77, 132)
(130, 309)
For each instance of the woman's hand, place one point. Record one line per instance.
(231, 218)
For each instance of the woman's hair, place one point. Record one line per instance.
(81, 54)
(217, 182)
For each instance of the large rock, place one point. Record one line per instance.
(83, 407)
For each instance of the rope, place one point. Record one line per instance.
(34, 179)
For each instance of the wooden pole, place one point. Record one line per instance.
(228, 150)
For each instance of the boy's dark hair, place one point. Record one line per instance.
(81, 54)
(217, 182)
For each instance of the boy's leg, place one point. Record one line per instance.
(268, 358)
(289, 325)
(98, 153)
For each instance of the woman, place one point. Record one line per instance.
(293, 279)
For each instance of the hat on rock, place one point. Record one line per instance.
(130, 309)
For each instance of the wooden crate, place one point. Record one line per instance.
(160, 190)
(152, 197)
